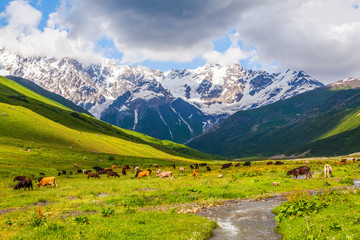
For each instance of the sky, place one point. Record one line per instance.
(321, 37)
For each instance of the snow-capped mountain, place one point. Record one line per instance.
(175, 105)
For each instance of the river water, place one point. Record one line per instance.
(247, 220)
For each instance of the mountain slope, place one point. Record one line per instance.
(35, 88)
(292, 126)
(40, 114)
(176, 105)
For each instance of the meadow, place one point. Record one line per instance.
(129, 208)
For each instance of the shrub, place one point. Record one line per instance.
(107, 212)
(82, 219)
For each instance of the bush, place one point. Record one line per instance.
(107, 212)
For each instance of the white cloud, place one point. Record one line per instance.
(232, 55)
(21, 35)
(321, 37)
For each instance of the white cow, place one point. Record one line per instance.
(327, 170)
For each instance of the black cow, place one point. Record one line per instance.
(39, 179)
(78, 171)
(59, 174)
(269, 163)
(237, 165)
(173, 166)
(19, 178)
(191, 166)
(42, 174)
(208, 168)
(226, 165)
(63, 172)
(279, 163)
(25, 183)
(98, 168)
(248, 163)
(70, 173)
(203, 164)
(196, 166)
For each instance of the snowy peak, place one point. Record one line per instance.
(348, 83)
(183, 100)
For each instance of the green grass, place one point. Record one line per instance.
(135, 201)
(339, 218)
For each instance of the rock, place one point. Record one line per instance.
(4, 114)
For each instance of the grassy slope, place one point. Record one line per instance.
(15, 94)
(35, 88)
(294, 125)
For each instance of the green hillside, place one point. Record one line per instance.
(35, 88)
(28, 116)
(293, 126)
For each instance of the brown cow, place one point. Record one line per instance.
(140, 174)
(47, 181)
(299, 171)
(114, 174)
(25, 183)
(195, 173)
(114, 166)
(93, 174)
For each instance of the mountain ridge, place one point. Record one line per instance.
(148, 101)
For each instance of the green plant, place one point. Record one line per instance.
(82, 219)
(347, 180)
(107, 212)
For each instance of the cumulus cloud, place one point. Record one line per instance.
(319, 36)
(21, 35)
(232, 55)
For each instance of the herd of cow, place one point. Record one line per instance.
(25, 182)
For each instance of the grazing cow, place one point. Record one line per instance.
(75, 165)
(181, 169)
(279, 163)
(78, 171)
(195, 173)
(63, 172)
(155, 166)
(123, 170)
(47, 181)
(269, 163)
(96, 168)
(327, 170)
(248, 163)
(226, 165)
(196, 166)
(115, 174)
(70, 173)
(136, 168)
(237, 165)
(42, 174)
(102, 171)
(25, 183)
(191, 166)
(114, 166)
(275, 183)
(164, 174)
(299, 171)
(203, 164)
(93, 174)
(107, 169)
(306, 162)
(87, 171)
(140, 174)
(59, 174)
(343, 161)
(39, 179)
(208, 168)
(19, 178)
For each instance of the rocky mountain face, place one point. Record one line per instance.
(176, 105)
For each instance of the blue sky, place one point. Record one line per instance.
(317, 36)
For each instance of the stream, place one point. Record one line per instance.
(247, 220)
